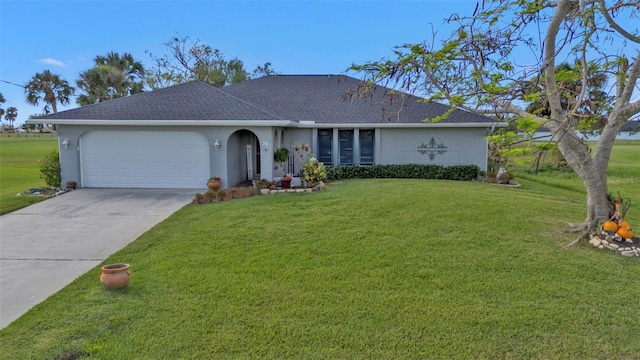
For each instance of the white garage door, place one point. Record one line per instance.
(144, 159)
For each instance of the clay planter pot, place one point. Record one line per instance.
(214, 185)
(115, 276)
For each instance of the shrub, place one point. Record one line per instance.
(314, 171)
(50, 168)
(408, 171)
(250, 191)
(262, 184)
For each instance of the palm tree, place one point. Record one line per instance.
(113, 76)
(12, 114)
(132, 71)
(2, 101)
(49, 88)
(595, 103)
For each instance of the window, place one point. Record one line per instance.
(366, 147)
(325, 141)
(351, 150)
(346, 147)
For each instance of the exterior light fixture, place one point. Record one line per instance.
(65, 143)
(216, 145)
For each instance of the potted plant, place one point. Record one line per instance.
(214, 183)
(281, 155)
(286, 181)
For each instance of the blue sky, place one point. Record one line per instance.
(297, 37)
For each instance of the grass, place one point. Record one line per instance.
(19, 171)
(374, 269)
(623, 173)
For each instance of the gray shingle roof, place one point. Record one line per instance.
(323, 99)
(320, 98)
(194, 100)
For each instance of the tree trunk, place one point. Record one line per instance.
(591, 173)
(598, 207)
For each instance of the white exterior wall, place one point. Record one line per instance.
(450, 146)
(438, 146)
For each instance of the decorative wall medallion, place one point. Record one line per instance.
(432, 148)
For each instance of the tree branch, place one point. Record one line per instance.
(615, 26)
(631, 80)
(550, 48)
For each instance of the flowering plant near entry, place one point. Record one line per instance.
(314, 171)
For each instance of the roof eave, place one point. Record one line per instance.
(260, 123)
(404, 125)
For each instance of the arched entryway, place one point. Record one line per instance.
(243, 157)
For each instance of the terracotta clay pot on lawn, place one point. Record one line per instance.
(115, 276)
(214, 185)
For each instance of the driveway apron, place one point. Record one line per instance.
(45, 246)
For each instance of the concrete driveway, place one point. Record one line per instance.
(47, 245)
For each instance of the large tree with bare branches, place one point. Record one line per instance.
(505, 56)
(194, 60)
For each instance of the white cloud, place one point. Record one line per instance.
(50, 61)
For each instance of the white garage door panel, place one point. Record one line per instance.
(144, 159)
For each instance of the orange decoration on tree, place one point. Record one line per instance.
(610, 226)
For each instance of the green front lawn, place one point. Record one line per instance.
(375, 269)
(19, 170)
(623, 173)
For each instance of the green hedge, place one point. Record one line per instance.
(408, 171)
